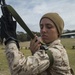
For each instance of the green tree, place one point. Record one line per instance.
(21, 36)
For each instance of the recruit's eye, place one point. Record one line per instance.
(48, 26)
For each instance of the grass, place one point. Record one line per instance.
(3, 63)
(68, 43)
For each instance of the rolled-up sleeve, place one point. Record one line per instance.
(20, 65)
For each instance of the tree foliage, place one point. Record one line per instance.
(24, 36)
(21, 36)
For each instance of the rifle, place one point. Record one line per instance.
(9, 13)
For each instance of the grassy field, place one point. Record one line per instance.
(68, 43)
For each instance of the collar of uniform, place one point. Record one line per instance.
(55, 42)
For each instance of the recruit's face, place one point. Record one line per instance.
(48, 30)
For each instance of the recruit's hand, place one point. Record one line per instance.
(8, 30)
(34, 45)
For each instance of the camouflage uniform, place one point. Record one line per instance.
(39, 62)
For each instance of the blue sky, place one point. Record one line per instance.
(32, 10)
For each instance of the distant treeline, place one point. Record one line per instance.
(21, 36)
(25, 37)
